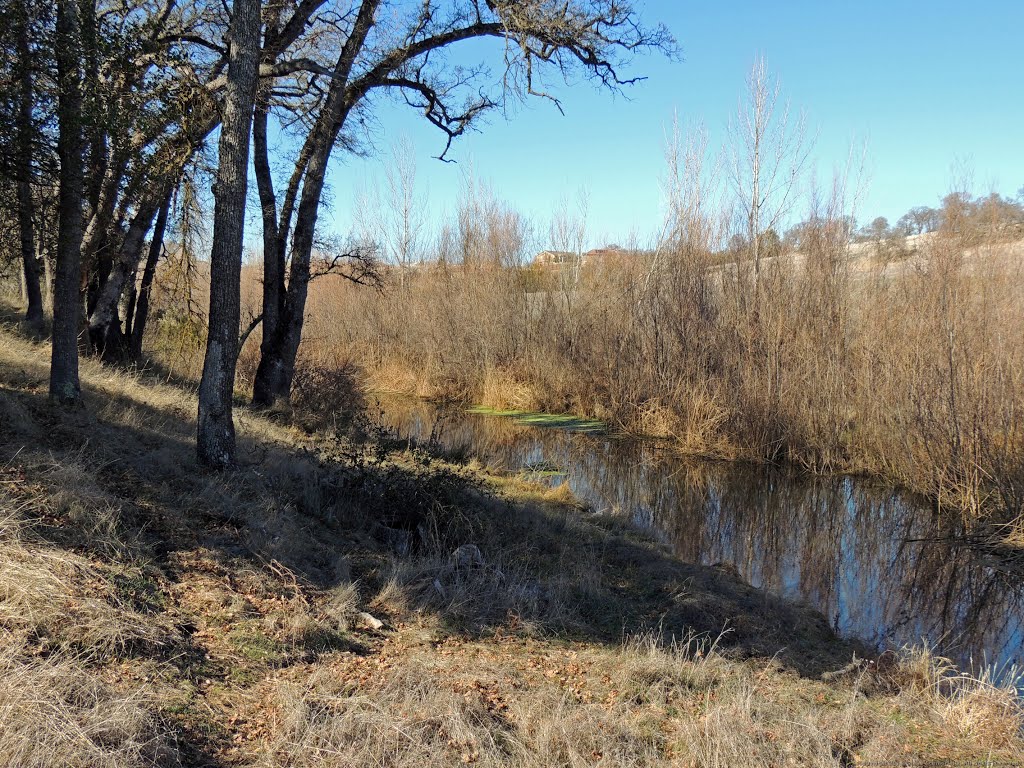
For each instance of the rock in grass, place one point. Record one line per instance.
(370, 621)
(468, 556)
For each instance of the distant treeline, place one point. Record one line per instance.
(993, 211)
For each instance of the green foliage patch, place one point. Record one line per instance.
(563, 421)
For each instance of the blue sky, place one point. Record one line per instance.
(925, 85)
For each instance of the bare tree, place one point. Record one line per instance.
(918, 220)
(23, 170)
(568, 236)
(404, 204)
(162, 76)
(154, 72)
(394, 217)
(216, 438)
(768, 152)
(405, 56)
(691, 190)
(490, 232)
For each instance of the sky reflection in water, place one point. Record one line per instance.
(874, 562)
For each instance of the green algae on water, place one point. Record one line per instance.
(563, 421)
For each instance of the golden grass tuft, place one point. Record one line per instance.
(561, 494)
(501, 391)
(975, 706)
(53, 712)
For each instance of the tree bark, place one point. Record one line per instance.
(270, 384)
(105, 334)
(64, 383)
(216, 436)
(280, 364)
(104, 207)
(148, 275)
(273, 253)
(33, 293)
(46, 256)
(96, 133)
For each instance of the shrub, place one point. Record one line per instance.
(328, 397)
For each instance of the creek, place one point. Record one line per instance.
(880, 565)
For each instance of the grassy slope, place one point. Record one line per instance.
(152, 613)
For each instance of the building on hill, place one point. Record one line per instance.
(552, 258)
(609, 254)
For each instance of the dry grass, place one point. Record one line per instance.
(974, 706)
(510, 702)
(61, 600)
(53, 711)
(154, 614)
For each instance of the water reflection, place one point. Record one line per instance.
(874, 562)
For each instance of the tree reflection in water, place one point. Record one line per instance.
(878, 564)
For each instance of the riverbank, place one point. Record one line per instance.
(984, 503)
(903, 369)
(335, 603)
(870, 558)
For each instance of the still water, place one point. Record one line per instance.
(874, 561)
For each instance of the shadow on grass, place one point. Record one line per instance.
(230, 577)
(331, 512)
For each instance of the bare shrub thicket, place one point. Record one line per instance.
(327, 395)
(832, 358)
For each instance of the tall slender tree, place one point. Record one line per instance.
(141, 309)
(23, 171)
(216, 438)
(768, 155)
(67, 309)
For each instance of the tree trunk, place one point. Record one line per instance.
(67, 311)
(280, 348)
(105, 335)
(96, 135)
(280, 345)
(148, 275)
(270, 383)
(46, 256)
(104, 207)
(279, 366)
(33, 293)
(275, 230)
(216, 436)
(273, 253)
(129, 318)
